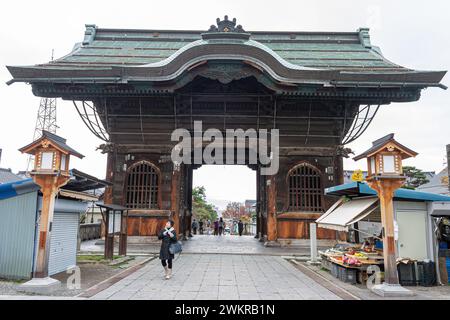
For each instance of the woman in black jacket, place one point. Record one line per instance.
(168, 236)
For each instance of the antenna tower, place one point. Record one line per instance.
(45, 120)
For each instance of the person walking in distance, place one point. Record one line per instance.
(221, 226)
(194, 226)
(216, 227)
(200, 226)
(240, 227)
(168, 236)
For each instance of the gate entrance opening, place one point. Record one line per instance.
(230, 191)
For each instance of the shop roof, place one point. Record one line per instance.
(79, 182)
(114, 207)
(83, 182)
(13, 189)
(360, 189)
(6, 175)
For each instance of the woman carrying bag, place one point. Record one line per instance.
(168, 237)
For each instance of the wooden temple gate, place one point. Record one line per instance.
(132, 88)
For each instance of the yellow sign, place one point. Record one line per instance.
(357, 176)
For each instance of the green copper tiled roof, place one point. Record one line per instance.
(343, 50)
(330, 59)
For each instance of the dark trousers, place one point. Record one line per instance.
(167, 262)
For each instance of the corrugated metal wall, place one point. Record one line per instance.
(17, 227)
(63, 245)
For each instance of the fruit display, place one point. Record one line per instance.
(351, 261)
(361, 255)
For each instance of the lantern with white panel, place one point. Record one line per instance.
(384, 158)
(50, 172)
(385, 175)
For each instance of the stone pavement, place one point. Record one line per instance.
(214, 244)
(218, 277)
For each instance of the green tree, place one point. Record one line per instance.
(201, 209)
(415, 177)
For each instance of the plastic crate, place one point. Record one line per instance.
(426, 273)
(335, 270)
(448, 267)
(348, 275)
(407, 274)
(326, 264)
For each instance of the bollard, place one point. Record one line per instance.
(313, 240)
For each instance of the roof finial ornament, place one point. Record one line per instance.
(226, 25)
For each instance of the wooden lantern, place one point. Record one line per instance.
(384, 158)
(51, 171)
(51, 155)
(385, 175)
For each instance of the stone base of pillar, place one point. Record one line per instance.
(272, 244)
(391, 290)
(40, 285)
(313, 263)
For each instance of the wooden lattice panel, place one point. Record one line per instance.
(305, 189)
(142, 186)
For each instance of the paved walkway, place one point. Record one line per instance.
(219, 277)
(213, 244)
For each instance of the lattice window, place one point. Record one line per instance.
(305, 189)
(142, 186)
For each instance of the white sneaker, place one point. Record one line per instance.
(168, 274)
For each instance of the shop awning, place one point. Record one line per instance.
(439, 209)
(345, 213)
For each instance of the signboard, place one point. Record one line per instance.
(357, 176)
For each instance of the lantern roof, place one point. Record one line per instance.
(382, 143)
(55, 140)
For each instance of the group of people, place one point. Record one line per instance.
(218, 227)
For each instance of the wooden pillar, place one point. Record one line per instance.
(339, 169)
(109, 237)
(272, 209)
(386, 188)
(258, 205)
(48, 203)
(49, 188)
(123, 233)
(110, 165)
(174, 199)
(189, 197)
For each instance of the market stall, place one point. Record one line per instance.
(357, 213)
(350, 261)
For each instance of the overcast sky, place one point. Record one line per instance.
(414, 34)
